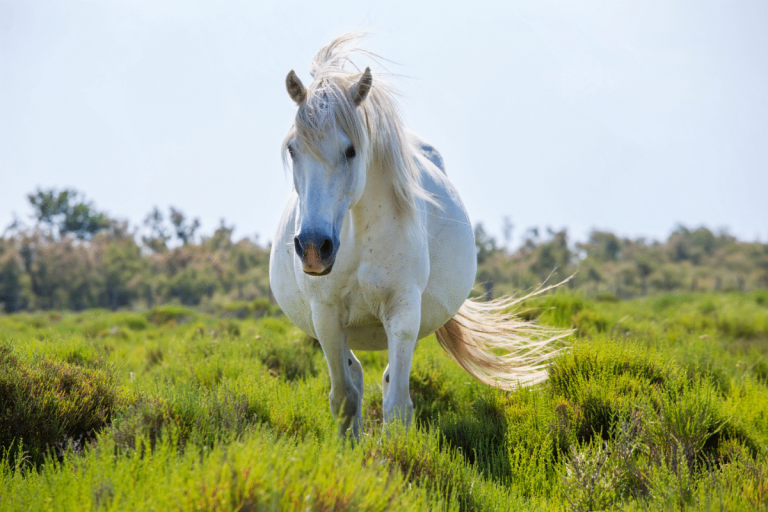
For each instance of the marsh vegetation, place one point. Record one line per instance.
(661, 404)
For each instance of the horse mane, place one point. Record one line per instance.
(375, 127)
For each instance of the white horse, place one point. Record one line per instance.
(375, 249)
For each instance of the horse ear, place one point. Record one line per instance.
(360, 90)
(296, 89)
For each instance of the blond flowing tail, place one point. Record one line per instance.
(496, 347)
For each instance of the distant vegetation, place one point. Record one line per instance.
(76, 257)
(661, 404)
(690, 260)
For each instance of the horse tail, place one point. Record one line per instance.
(496, 347)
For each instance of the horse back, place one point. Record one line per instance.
(427, 150)
(451, 241)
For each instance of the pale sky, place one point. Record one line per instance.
(626, 116)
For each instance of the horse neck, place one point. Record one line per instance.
(377, 204)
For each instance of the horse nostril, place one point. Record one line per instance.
(297, 246)
(326, 249)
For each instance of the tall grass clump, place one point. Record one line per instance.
(47, 405)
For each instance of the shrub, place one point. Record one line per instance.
(49, 404)
(432, 393)
(162, 315)
(481, 436)
(292, 362)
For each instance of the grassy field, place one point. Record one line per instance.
(661, 404)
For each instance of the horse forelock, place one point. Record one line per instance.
(327, 107)
(375, 127)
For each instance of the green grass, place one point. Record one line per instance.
(660, 404)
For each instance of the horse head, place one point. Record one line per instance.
(328, 151)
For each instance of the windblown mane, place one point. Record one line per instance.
(375, 127)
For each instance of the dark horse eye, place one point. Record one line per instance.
(291, 151)
(350, 152)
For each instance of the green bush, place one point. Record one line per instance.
(49, 404)
(162, 315)
(291, 362)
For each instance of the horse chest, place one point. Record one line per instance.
(361, 323)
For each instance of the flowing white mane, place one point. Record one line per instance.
(375, 127)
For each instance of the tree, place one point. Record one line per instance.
(507, 229)
(485, 244)
(603, 246)
(184, 231)
(552, 256)
(158, 234)
(67, 212)
(122, 267)
(531, 238)
(644, 268)
(11, 276)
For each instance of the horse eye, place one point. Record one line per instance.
(291, 152)
(350, 152)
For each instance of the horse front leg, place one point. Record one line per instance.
(346, 394)
(401, 323)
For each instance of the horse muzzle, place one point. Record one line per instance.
(316, 251)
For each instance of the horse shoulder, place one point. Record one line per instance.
(281, 255)
(282, 276)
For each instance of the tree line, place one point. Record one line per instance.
(75, 257)
(690, 260)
